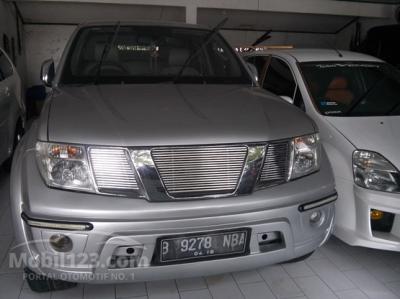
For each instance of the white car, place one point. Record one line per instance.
(354, 99)
(12, 109)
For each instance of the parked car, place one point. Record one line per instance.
(157, 156)
(355, 101)
(11, 109)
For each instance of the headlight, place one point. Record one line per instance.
(373, 171)
(64, 166)
(306, 151)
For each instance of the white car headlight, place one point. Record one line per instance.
(64, 166)
(306, 151)
(372, 171)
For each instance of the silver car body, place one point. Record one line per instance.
(167, 115)
(11, 105)
(341, 136)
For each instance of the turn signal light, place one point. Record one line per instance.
(376, 215)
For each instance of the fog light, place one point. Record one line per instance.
(315, 217)
(376, 214)
(61, 243)
(381, 221)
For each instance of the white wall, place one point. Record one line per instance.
(8, 26)
(48, 41)
(299, 40)
(44, 42)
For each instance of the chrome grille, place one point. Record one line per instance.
(276, 165)
(112, 170)
(200, 170)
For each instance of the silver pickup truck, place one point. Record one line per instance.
(157, 156)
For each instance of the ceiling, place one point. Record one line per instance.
(78, 12)
(58, 12)
(375, 1)
(276, 21)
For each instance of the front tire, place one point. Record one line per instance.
(41, 284)
(299, 259)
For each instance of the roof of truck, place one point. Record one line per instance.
(309, 55)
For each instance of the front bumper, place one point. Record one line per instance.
(118, 222)
(90, 258)
(353, 216)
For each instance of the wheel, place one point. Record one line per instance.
(41, 284)
(299, 259)
(19, 132)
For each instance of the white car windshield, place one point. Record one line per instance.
(151, 54)
(353, 88)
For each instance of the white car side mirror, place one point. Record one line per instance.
(287, 99)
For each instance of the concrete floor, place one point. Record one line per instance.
(333, 271)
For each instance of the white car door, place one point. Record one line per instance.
(6, 91)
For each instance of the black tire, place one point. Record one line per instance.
(19, 132)
(299, 259)
(41, 284)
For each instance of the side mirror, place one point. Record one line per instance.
(287, 99)
(47, 72)
(253, 70)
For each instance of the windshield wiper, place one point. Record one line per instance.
(206, 40)
(360, 99)
(106, 50)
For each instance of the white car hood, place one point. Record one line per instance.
(378, 134)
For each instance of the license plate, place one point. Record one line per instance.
(209, 245)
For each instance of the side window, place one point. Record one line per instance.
(279, 79)
(6, 69)
(258, 61)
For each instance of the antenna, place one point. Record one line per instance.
(338, 52)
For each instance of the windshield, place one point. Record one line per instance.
(149, 54)
(353, 88)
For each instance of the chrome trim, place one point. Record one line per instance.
(153, 188)
(318, 203)
(276, 167)
(57, 225)
(200, 171)
(252, 169)
(112, 169)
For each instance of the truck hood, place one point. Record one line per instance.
(168, 114)
(378, 134)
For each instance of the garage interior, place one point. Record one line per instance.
(38, 30)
